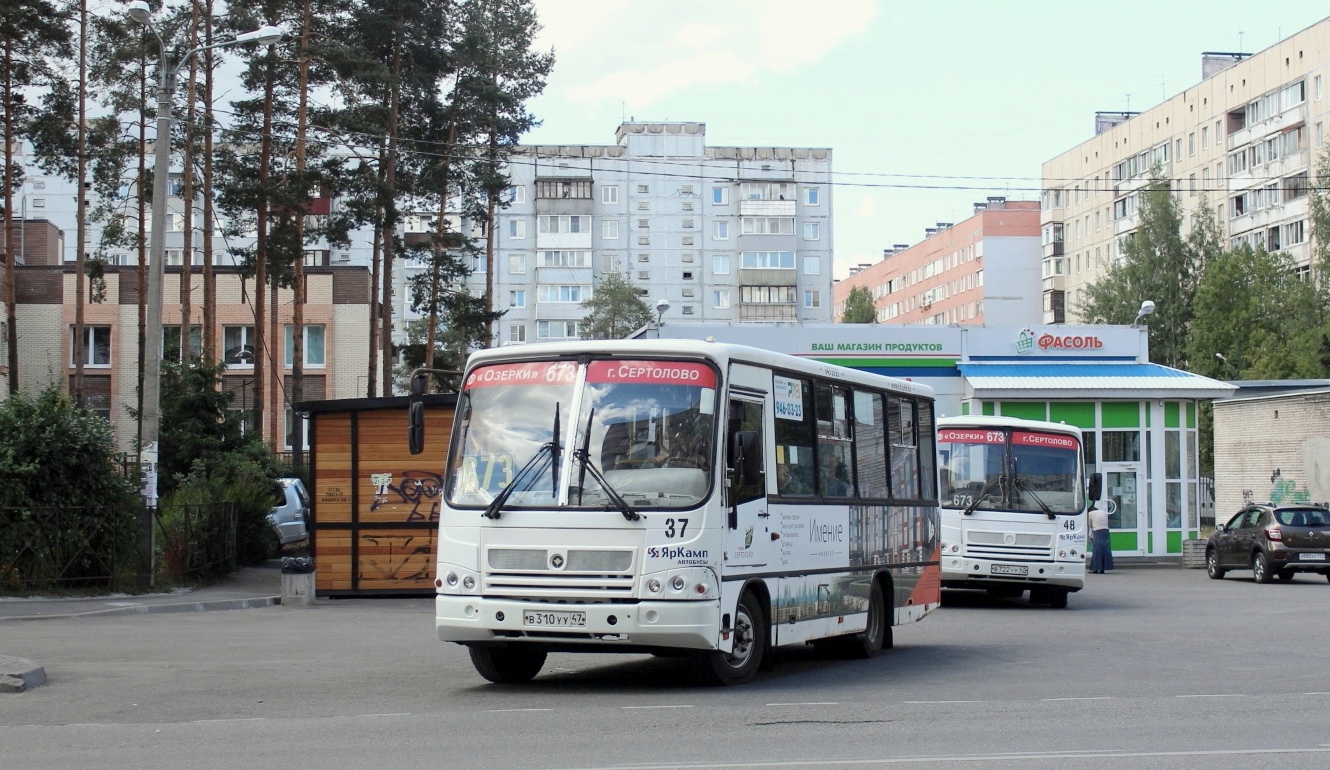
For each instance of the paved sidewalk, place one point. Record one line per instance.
(257, 586)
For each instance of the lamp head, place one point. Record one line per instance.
(1147, 307)
(265, 35)
(139, 12)
(662, 306)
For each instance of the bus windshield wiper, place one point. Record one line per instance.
(551, 447)
(583, 455)
(983, 493)
(1043, 506)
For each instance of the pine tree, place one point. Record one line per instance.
(614, 309)
(32, 34)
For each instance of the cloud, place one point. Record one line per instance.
(613, 50)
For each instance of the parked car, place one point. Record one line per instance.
(290, 516)
(1271, 541)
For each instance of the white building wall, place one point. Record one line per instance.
(1271, 448)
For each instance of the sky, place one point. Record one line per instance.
(928, 107)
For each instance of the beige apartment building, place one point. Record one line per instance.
(985, 268)
(1243, 141)
(335, 356)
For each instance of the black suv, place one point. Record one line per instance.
(1271, 541)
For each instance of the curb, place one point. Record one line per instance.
(153, 609)
(20, 675)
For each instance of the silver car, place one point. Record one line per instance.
(289, 518)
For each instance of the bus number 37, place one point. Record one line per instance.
(670, 529)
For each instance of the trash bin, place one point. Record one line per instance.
(297, 581)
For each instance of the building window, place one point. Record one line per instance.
(39, 203)
(515, 194)
(685, 189)
(644, 275)
(644, 205)
(609, 263)
(688, 275)
(1205, 137)
(720, 196)
(766, 295)
(314, 347)
(565, 259)
(565, 293)
(517, 264)
(644, 224)
(609, 230)
(171, 348)
(572, 189)
(517, 332)
(812, 265)
(238, 346)
(687, 309)
(812, 298)
(768, 225)
(720, 264)
(688, 224)
(782, 260)
(609, 193)
(517, 229)
(643, 240)
(812, 196)
(720, 298)
(556, 223)
(721, 230)
(96, 346)
(517, 298)
(556, 330)
(644, 189)
(812, 231)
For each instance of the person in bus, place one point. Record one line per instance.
(1101, 551)
(789, 483)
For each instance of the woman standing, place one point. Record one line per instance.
(1101, 552)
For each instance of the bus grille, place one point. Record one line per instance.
(1004, 545)
(559, 573)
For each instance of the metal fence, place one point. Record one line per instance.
(84, 548)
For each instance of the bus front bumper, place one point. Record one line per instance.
(961, 572)
(681, 624)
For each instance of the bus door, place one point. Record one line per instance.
(752, 536)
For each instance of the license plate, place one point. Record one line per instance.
(1311, 557)
(1010, 569)
(547, 619)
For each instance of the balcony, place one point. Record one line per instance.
(765, 312)
(760, 208)
(1053, 249)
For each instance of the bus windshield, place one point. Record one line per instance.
(646, 426)
(506, 414)
(651, 427)
(1001, 470)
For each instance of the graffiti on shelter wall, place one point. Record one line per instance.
(402, 558)
(418, 489)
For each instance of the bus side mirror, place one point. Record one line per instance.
(747, 457)
(419, 383)
(415, 427)
(1096, 486)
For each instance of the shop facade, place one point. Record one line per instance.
(1139, 419)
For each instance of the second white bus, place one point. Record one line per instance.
(1014, 501)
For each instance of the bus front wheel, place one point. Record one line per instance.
(715, 667)
(507, 663)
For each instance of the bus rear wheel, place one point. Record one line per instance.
(715, 667)
(507, 663)
(867, 643)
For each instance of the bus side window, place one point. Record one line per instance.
(746, 416)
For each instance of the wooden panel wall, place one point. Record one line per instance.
(376, 506)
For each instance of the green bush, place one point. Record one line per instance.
(245, 478)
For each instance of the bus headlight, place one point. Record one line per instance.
(681, 583)
(468, 582)
(677, 583)
(456, 580)
(653, 585)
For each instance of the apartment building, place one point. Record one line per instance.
(1243, 141)
(985, 268)
(335, 354)
(721, 233)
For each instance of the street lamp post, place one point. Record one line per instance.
(151, 415)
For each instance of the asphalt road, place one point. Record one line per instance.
(1147, 668)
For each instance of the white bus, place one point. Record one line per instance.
(681, 497)
(1014, 504)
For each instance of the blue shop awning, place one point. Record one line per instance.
(1061, 379)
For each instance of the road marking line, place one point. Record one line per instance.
(502, 711)
(917, 702)
(1215, 695)
(1102, 697)
(677, 706)
(809, 703)
(1317, 693)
